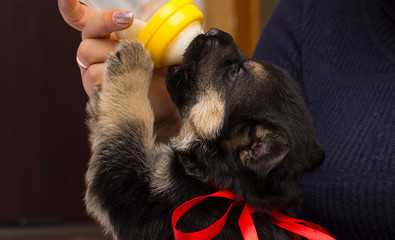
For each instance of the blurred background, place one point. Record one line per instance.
(43, 138)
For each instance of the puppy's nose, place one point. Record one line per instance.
(214, 32)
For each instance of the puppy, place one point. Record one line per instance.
(245, 127)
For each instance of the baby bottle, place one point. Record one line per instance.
(166, 28)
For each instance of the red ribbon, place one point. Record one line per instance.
(308, 230)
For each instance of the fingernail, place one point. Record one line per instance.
(123, 17)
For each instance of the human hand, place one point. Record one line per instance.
(98, 39)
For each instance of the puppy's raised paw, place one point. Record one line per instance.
(129, 57)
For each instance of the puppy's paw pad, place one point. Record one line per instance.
(129, 56)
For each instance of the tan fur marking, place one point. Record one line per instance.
(161, 177)
(94, 208)
(204, 122)
(257, 68)
(186, 137)
(261, 132)
(207, 115)
(241, 140)
(243, 156)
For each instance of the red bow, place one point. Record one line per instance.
(308, 230)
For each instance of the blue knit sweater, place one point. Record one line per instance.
(342, 52)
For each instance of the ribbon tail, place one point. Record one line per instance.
(247, 225)
(308, 230)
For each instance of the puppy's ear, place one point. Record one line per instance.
(260, 148)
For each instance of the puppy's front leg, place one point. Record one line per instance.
(121, 135)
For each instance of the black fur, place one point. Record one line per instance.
(260, 146)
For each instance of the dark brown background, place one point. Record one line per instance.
(43, 138)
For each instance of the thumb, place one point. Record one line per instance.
(74, 13)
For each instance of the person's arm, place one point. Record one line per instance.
(98, 39)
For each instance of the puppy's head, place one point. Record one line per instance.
(252, 114)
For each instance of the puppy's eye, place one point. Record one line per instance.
(235, 71)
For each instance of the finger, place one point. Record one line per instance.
(74, 13)
(92, 51)
(102, 24)
(92, 78)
